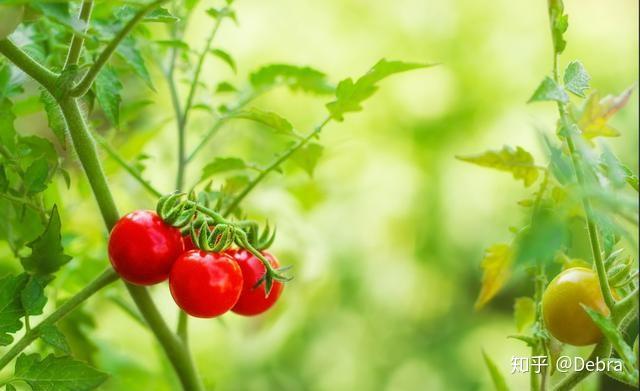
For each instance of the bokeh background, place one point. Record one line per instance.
(387, 236)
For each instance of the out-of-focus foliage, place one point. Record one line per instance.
(388, 234)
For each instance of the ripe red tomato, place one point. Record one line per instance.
(142, 247)
(188, 243)
(205, 284)
(253, 300)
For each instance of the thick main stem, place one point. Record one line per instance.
(86, 150)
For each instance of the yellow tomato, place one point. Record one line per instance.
(563, 314)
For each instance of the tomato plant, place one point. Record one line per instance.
(79, 59)
(582, 180)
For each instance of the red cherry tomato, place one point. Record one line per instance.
(143, 248)
(205, 284)
(188, 243)
(254, 300)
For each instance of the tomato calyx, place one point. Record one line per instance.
(211, 232)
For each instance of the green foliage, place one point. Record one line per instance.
(107, 89)
(524, 313)
(10, 306)
(305, 79)
(267, 118)
(549, 90)
(350, 94)
(517, 161)
(576, 78)
(497, 377)
(56, 373)
(47, 254)
(559, 24)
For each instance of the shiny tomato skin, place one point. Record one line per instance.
(143, 248)
(563, 314)
(205, 284)
(253, 300)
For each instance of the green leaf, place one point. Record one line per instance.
(496, 268)
(174, 43)
(308, 156)
(9, 387)
(225, 86)
(57, 123)
(549, 90)
(576, 78)
(160, 15)
(350, 95)
(129, 52)
(32, 296)
(57, 373)
(36, 176)
(47, 255)
(58, 12)
(614, 336)
(542, 239)
(524, 312)
(267, 118)
(220, 13)
(559, 24)
(226, 57)
(305, 79)
(222, 164)
(496, 376)
(7, 130)
(517, 161)
(107, 89)
(54, 337)
(10, 306)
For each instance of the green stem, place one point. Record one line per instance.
(78, 40)
(183, 323)
(28, 65)
(184, 118)
(219, 123)
(275, 164)
(127, 167)
(85, 84)
(104, 279)
(176, 351)
(85, 148)
(602, 350)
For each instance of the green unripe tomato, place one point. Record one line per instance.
(562, 309)
(10, 18)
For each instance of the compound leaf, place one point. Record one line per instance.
(549, 90)
(47, 255)
(57, 373)
(576, 78)
(517, 161)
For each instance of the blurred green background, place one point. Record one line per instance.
(387, 237)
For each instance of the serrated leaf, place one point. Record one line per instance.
(295, 77)
(55, 119)
(58, 12)
(496, 267)
(350, 95)
(222, 164)
(174, 43)
(129, 52)
(559, 24)
(308, 156)
(36, 176)
(57, 373)
(47, 254)
(10, 306)
(7, 129)
(107, 88)
(576, 78)
(610, 331)
(499, 382)
(524, 312)
(267, 118)
(226, 58)
(517, 161)
(549, 90)
(160, 15)
(54, 337)
(32, 296)
(593, 120)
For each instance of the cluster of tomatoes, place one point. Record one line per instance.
(145, 250)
